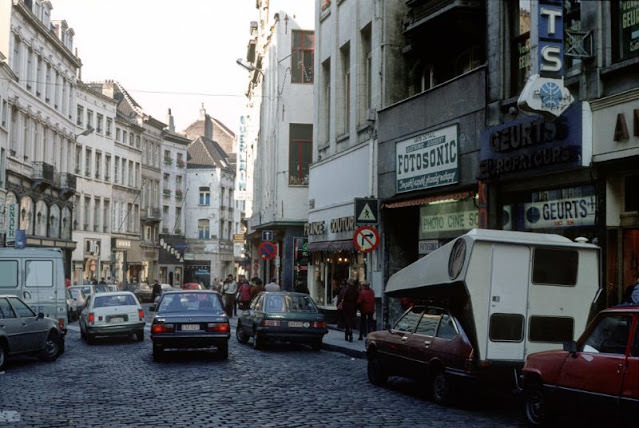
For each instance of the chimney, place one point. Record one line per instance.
(169, 120)
(208, 123)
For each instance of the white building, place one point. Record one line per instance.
(280, 60)
(354, 41)
(94, 151)
(173, 191)
(209, 208)
(40, 125)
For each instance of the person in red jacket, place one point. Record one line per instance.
(366, 305)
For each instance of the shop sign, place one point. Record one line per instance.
(428, 246)
(427, 160)
(342, 224)
(315, 228)
(545, 91)
(454, 216)
(12, 221)
(122, 244)
(532, 143)
(578, 211)
(629, 28)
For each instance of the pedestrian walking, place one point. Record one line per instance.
(339, 297)
(272, 286)
(366, 305)
(257, 286)
(244, 294)
(157, 290)
(349, 308)
(229, 289)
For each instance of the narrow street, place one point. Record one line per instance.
(117, 383)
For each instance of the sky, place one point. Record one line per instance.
(168, 54)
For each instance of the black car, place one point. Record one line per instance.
(22, 331)
(282, 316)
(190, 320)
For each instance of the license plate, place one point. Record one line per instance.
(116, 319)
(190, 326)
(295, 324)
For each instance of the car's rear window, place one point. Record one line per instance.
(115, 300)
(196, 302)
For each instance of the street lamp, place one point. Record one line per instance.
(249, 67)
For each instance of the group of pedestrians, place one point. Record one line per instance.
(238, 294)
(351, 298)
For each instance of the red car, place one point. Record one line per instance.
(192, 286)
(598, 374)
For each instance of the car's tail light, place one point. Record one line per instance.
(162, 328)
(141, 314)
(217, 327)
(271, 323)
(91, 318)
(318, 324)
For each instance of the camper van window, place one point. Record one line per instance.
(551, 329)
(506, 327)
(552, 266)
(8, 273)
(39, 273)
(409, 321)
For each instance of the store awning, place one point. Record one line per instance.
(390, 203)
(331, 246)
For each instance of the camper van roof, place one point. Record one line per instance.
(432, 270)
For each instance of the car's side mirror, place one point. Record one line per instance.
(40, 315)
(570, 346)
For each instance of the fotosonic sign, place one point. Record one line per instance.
(427, 160)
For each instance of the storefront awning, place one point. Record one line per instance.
(429, 199)
(331, 246)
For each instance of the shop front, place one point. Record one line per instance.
(616, 160)
(332, 258)
(126, 261)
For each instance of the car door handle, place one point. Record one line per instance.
(404, 338)
(619, 368)
(427, 343)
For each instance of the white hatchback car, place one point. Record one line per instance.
(112, 314)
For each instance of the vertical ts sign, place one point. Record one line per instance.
(550, 38)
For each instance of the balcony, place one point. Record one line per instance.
(67, 185)
(42, 176)
(150, 215)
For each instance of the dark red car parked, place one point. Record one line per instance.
(426, 343)
(596, 377)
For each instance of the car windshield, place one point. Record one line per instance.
(191, 302)
(75, 293)
(114, 300)
(290, 303)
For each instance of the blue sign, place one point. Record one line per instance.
(551, 39)
(21, 239)
(532, 144)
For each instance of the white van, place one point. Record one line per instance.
(37, 276)
(514, 292)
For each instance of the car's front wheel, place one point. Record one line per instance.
(375, 370)
(535, 404)
(240, 334)
(52, 348)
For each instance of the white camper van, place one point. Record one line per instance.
(514, 292)
(37, 276)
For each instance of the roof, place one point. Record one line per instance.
(204, 152)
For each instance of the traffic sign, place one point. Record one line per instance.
(366, 210)
(267, 250)
(366, 239)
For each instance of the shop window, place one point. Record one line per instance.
(506, 328)
(551, 329)
(555, 267)
(631, 198)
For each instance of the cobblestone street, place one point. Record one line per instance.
(116, 383)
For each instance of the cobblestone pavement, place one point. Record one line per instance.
(116, 383)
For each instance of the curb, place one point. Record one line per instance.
(351, 352)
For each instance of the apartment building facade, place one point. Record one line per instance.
(280, 64)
